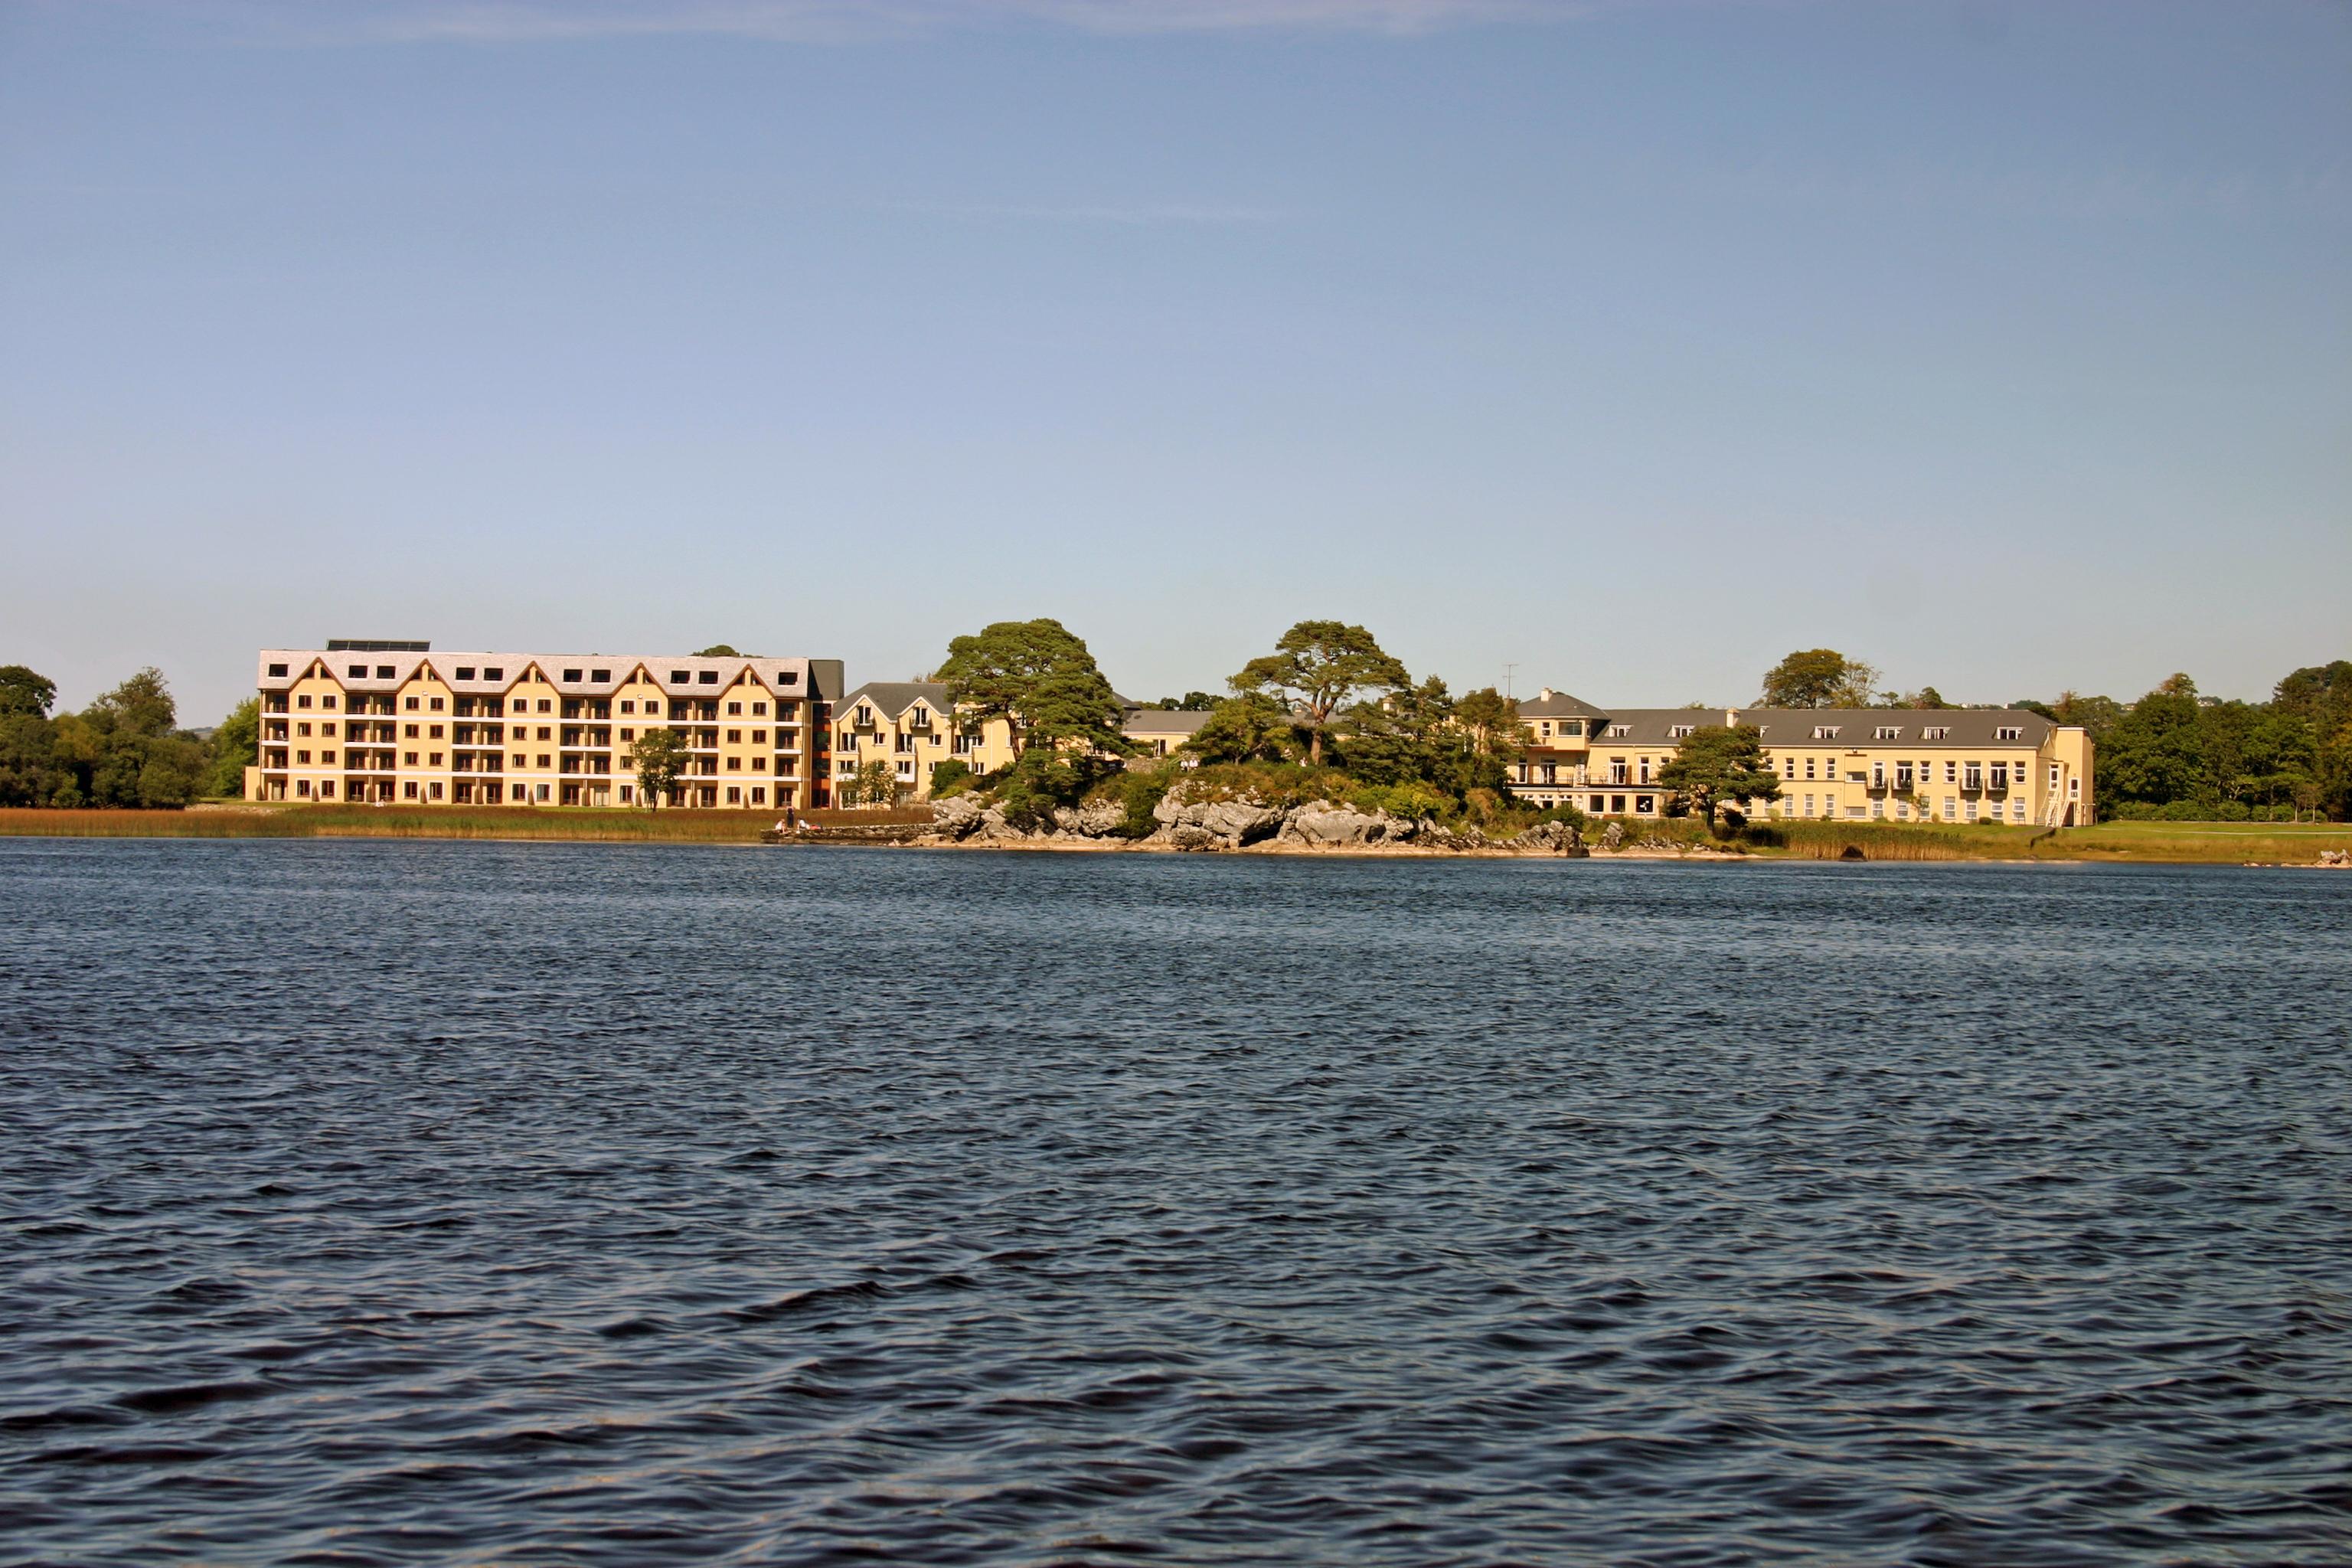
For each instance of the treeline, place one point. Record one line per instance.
(2175, 754)
(124, 750)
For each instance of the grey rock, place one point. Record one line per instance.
(1102, 821)
(1613, 837)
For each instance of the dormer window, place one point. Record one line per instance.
(2009, 732)
(384, 672)
(1619, 731)
(1825, 731)
(357, 672)
(495, 672)
(1681, 732)
(1935, 732)
(709, 678)
(681, 676)
(465, 672)
(1890, 731)
(571, 675)
(277, 670)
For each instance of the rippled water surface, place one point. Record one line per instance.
(423, 1202)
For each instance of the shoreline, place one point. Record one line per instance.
(2265, 845)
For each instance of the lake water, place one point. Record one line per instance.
(586, 1203)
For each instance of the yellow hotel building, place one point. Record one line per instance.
(396, 722)
(1886, 764)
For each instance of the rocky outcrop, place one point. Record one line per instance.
(1613, 837)
(1320, 824)
(1103, 821)
(1552, 839)
(1242, 822)
(1213, 825)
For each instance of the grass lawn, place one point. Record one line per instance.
(2291, 843)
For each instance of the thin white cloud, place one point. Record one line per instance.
(821, 21)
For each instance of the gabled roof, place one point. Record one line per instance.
(572, 674)
(1549, 704)
(892, 698)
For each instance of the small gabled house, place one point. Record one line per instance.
(912, 726)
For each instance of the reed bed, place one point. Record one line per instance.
(702, 826)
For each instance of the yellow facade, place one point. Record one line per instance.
(912, 726)
(1896, 765)
(401, 724)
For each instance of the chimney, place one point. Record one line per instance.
(1731, 718)
(1544, 695)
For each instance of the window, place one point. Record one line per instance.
(1619, 731)
(2009, 732)
(328, 701)
(734, 794)
(1972, 776)
(628, 792)
(788, 678)
(495, 672)
(734, 737)
(1890, 731)
(1951, 772)
(759, 794)
(1571, 726)
(433, 731)
(1809, 806)
(409, 790)
(433, 790)
(465, 672)
(709, 678)
(435, 705)
(734, 710)
(600, 675)
(544, 760)
(759, 710)
(734, 764)
(302, 702)
(1809, 767)
(1825, 731)
(1936, 733)
(305, 730)
(680, 677)
(357, 672)
(1951, 807)
(571, 675)
(1680, 732)
(278, 669)
(1544, 729)
(629, 734)
(2000, 775)
(433, 759)
(327, 759)
(326, 789)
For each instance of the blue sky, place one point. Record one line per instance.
(1631, 345)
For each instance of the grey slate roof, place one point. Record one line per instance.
(1158, 721)
(892, 698)
(1964, 727)
(1549, 704)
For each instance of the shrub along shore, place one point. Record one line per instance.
(2227, 842)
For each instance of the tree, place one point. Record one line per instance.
(1400, 738)
(1492, 722)
(1251, 728)
(661, 760)
(236, 746)
(1316, 668)
(141, 706)
(1190, 702)
(1819, 678)
(1038, 676)
(871, 785)
(1718, 767)
(24, 693)
(2097, 716)
(722, 650)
